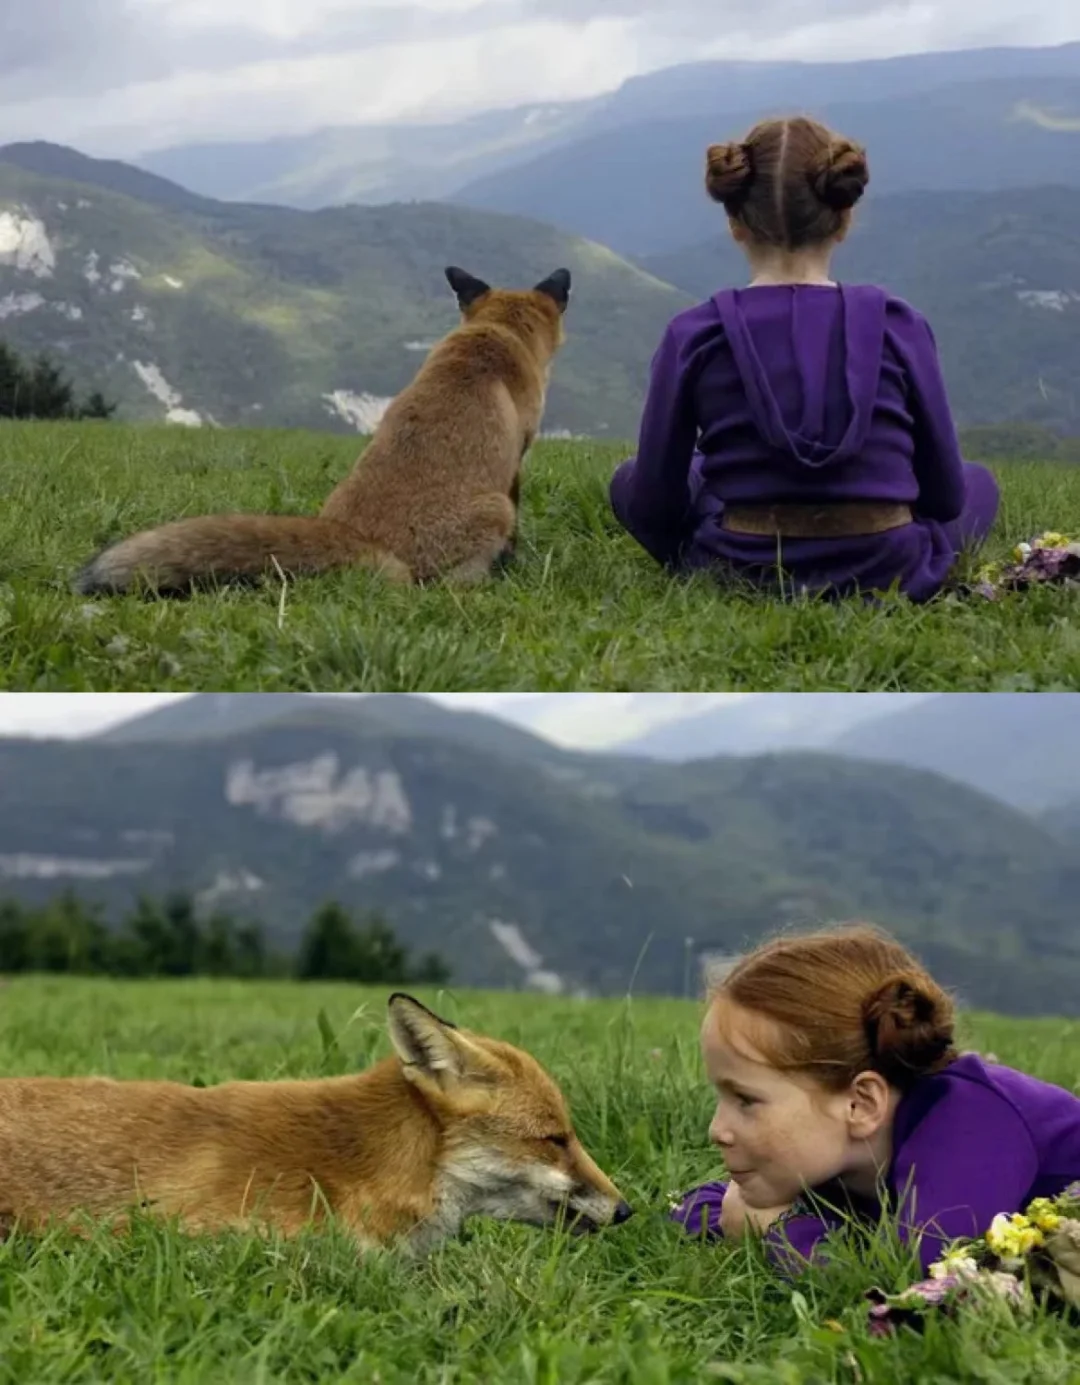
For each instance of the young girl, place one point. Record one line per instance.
(801, 424)
(834, 1061)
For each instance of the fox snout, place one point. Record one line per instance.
(594, 1201)
(583, 1224)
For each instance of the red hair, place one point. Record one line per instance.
(837, 1002)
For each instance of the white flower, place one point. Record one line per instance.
(955, 1262)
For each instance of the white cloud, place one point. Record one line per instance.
(72, 714)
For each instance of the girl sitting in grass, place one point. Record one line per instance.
(841, 1093)
(801, 424)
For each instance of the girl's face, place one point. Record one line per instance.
(781, 1132)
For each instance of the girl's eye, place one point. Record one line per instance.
(745, 1102)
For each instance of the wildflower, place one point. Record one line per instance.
(1012, 1237)
(1042, 1212)
(954, 1262)
(1005, 1286)
(1051, 539)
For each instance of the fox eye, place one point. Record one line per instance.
(559, 1141)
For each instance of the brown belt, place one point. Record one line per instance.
(837, 519)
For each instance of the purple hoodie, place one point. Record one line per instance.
(801, 393)
(968, 1143)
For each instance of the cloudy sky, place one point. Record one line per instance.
(123, 76)
(573, 719)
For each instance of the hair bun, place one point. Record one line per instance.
(839, 177)
(909, 1027)
(729, 173)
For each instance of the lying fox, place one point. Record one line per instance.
(435, 494)
(451, 1126)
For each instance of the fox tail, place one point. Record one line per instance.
(225, 548)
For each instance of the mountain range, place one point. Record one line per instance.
(994, 114)
(640, 187)
(198, 303)
(1000, 744)
(528, 864)
(995, 744)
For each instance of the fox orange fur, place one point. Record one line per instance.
(435, 493)
(452, 1125)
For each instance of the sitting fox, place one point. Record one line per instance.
(450, 1126)
(435, 494)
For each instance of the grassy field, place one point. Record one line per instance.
(585, 608)
(504, 1305)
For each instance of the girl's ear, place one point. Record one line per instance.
(869, 1105)
(738, 230)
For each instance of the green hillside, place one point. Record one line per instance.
(236, 314)
(583, 608)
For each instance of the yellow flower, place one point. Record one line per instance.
(1013, 1236)
(1041, 1212)
(1051, 539)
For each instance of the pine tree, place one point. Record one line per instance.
(40, 390)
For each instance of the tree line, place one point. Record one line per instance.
(39, 389)
(168, 937)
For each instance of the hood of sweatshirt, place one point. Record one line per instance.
(811, 322)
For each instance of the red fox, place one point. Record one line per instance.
(435, 494)
(450, 1126)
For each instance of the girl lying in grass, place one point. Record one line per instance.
(841, 1091)
(801, 424)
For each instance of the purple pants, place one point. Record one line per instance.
(918, 557)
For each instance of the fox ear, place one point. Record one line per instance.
(466, 287)
(556, 286)
(423, 1041)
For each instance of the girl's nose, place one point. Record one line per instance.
(718, 1131)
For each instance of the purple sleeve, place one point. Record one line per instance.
(938, 463)
(699, 1210)
(792, 1241)
(789, 1243)
(970, 1157)
(654, 488)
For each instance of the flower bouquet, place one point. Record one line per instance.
(1023, 1255)
(1051, 557)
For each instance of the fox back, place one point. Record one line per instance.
(438, 484)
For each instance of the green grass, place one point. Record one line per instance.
(504, 1305)
(585, 608)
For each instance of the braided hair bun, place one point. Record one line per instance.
(909, 1028)
(839, 175)
(729, 172)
